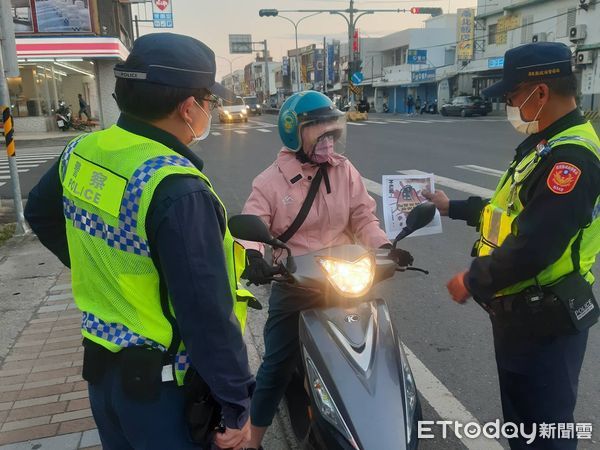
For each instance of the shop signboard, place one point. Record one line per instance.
(417, 56)
(466, 33)
(330, 62)
(423, 75)
(285, 66)
(505, 24)
(496, 63)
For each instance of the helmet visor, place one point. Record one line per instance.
(321, 132)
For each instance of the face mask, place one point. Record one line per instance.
(324, 148)
(513, 113)
(206, 132)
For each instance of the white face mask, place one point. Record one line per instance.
(513, 114)
(205, 133)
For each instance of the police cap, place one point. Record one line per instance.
(175, 60)
(531, 62)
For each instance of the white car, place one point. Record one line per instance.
(234, 112)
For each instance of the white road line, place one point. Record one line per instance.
(21, 166)
(6, 172)
(262, 130)
(431, 388)
(37, 156)
(2, 184)
(397, 121)
(444, 403)
(375, 121)
(215, 133)
(420, 121)
(356, 124)
(454, 184)
(240, 131)
(481, 169)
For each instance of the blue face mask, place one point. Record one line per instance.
(205, 133)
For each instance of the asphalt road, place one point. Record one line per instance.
(452, 342)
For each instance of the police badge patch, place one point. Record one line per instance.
(563, 178)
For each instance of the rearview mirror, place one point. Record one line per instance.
(418, 217)
(249, 228)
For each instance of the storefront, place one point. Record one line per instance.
(61, 68)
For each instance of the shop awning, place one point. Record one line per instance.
(64, 48)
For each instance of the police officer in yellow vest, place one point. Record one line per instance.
(540, 233)
(154, 267)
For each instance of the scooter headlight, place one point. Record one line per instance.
(325, 403)
(410, 394)
(350, 279)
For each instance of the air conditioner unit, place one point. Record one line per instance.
(539, 37)
(584, 57)
(577, 33)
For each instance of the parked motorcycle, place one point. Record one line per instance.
(353, 387)
(65, 120)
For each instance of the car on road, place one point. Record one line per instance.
(233, 112)
(466, 105)
(252, 105)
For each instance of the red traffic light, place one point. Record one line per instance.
(414, 10)
(433, 11)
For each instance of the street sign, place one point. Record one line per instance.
(496, 63)
(240, 43)
(417, 57)
(357, 77)
(355, 89)
(162, 13)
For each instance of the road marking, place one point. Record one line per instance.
(240, 131)
(444, 403)
(421, 121)
(215, 133)
(356, 123)
(398, 121)
(454, 184)
(2, 184)
(372, 186)
(4, 174)
(481, 169)
(375, 121)
(21, 166)
(262, 130)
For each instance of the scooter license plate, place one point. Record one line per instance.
(60, 123)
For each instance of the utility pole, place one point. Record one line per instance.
(8, 51)
(267, 75)
(324, 65)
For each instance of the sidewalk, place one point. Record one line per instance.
(43, 399)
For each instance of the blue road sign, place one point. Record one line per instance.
(357, 77)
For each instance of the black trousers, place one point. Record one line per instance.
(538, 383)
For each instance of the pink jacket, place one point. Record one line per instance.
(344, 216)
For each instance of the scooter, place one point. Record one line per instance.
(65, 120)
(353, 387)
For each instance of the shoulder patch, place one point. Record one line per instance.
(563, 178)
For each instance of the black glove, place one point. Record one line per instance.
(258, 271)
(401, 257)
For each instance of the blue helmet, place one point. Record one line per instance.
(302, 108)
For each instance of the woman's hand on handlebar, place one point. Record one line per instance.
(258, 271)
(401, 257)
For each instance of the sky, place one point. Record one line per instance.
(211, 21)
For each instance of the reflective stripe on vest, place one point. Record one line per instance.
(109, 178)
(498, 217)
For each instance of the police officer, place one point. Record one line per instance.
(153, 265)
(540, 233)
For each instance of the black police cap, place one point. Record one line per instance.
(532, 62)
(175, 60)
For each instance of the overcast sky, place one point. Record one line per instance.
(212, 21)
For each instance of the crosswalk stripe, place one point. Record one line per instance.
(356, 124)
(398, 121)
(375, 121)
(372, 186)
(262, 130)
(21, 166)
(216, 133)
(4, 173)
(481, 169)
(38, 156)
(240, 131)
(2, 184)
(454, 184)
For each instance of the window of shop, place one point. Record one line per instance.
(41, 85)
(492, 29)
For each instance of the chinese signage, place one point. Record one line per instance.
(330, 62)
(505, 24)
(285, 66)
(496, 63)
(162, 13)
(423, 75)
(356, 41)
(40, 16)
(466, 32)
(417, 57)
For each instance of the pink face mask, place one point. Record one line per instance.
(324, 148)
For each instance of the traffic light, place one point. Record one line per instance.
(433, 11)
(268, 13)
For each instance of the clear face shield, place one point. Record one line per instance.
(323, 136)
